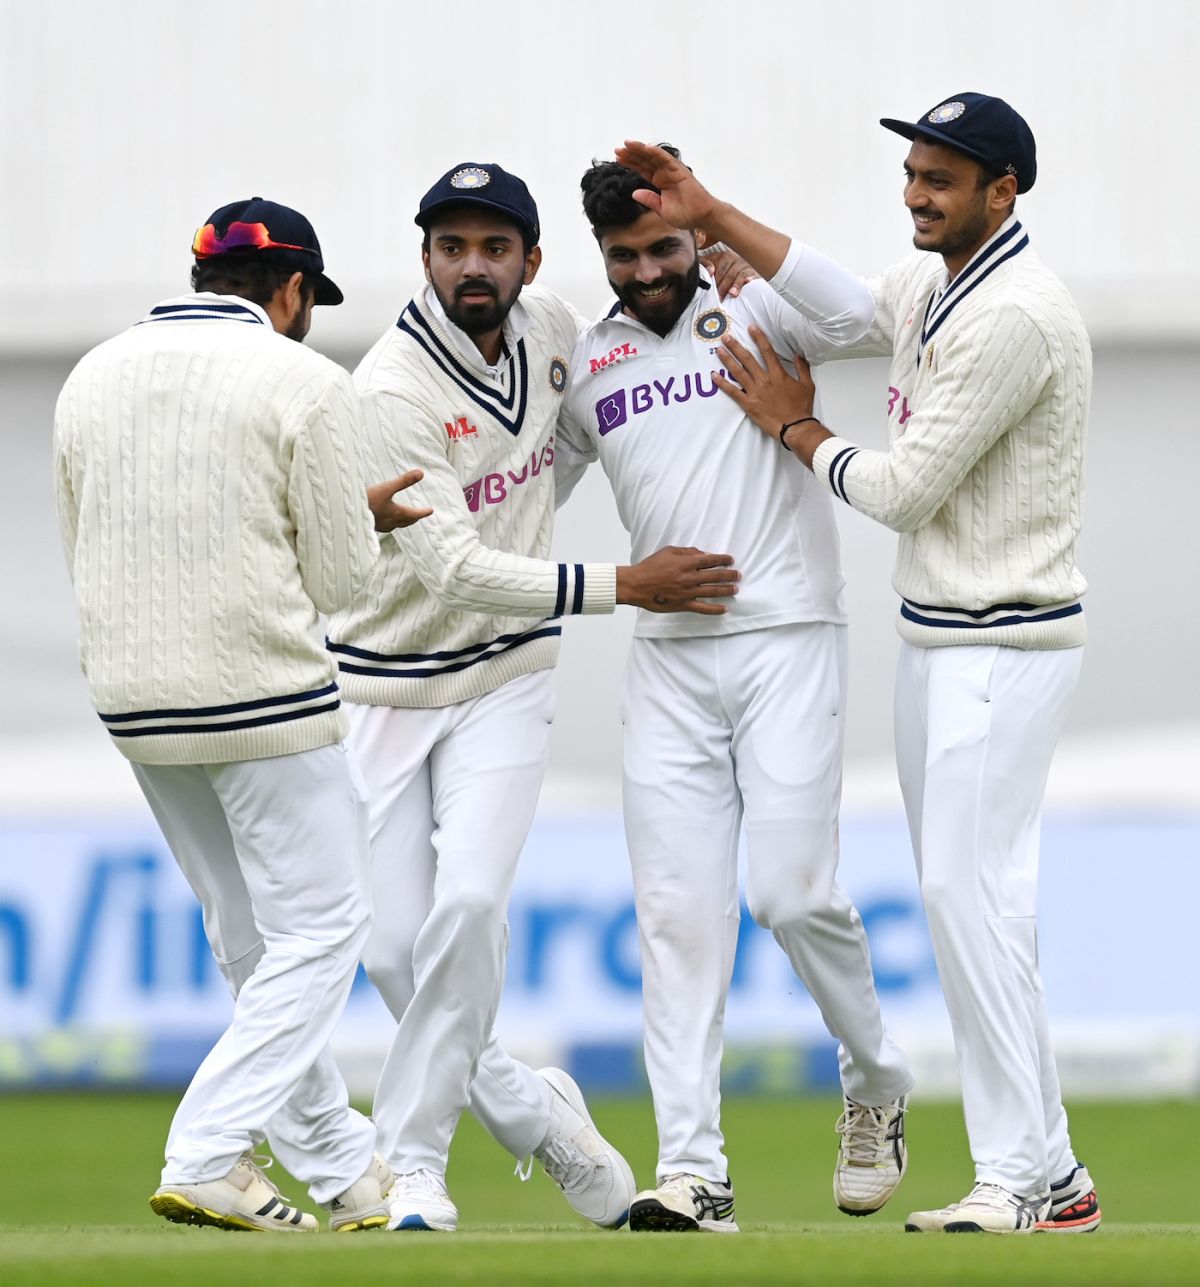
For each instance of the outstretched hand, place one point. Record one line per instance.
(681, 198)
(763, 389)
(389, 515)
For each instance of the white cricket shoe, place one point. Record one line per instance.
(872, 1157)
(1074, 1207)
(988, 1208)
(243, 1199)
(684, 1204)
(594, 1177)
(419, 1201)
(364, 1204)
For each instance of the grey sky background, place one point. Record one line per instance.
(126, 122)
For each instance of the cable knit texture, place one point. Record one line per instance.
(983, 475)
(465, 600)
(211, 500)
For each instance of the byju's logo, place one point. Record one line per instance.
(612, 412)
(614, 409)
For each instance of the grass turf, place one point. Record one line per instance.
(80, 1168)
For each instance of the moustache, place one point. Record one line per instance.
(476, 288)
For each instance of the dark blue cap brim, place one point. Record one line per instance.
(426, 216)
(911, 131)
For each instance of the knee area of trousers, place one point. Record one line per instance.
(473, 910)
(795, 906)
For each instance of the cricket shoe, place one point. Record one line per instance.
(418, 1201)
(988, 1208)
(594, 1177)
(364, 1204)
(684, 1204)
(1074, 1207)
(872, 1157)
(243, 1199)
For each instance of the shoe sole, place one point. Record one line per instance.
(1086, 1224)
(360, 1226)
(415, 1223)
(179, 1210)
(651, 1216)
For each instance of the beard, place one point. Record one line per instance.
(661, 316)
(477, 319)
(962, 240)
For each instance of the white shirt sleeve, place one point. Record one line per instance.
(830, 312)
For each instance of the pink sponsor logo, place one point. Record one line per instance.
(894, 396)
(494, 489)
(611, 358)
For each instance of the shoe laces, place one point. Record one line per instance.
(863, 1128)
(260, 1163)
(524, 1168)
(991, 1194)
(566, 1165)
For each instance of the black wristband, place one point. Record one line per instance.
(791, 424)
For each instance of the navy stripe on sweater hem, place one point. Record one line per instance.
(231, 727)
(1014, 619)
(233, 709)
(348, 668)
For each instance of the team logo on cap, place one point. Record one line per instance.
(947, 112)
(712, 324)
(558, 374)
(470, 176)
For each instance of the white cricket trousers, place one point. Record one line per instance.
(716, 729)
(276, 852)
(976, 728)
(453, 792)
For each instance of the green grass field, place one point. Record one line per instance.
(78, 1170)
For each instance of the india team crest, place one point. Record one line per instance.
(947, 112)
(470, 176)
(712, 324)
(558, 374)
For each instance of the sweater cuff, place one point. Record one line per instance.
(599, 587)
(829, 465)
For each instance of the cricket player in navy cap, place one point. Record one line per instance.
(446, 658)
(990, 384)
(211, 496)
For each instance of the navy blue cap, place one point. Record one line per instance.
(984, 128)
(266, 228)
(482, 184)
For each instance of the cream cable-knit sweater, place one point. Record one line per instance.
(466, 599)
(990, 385)
(212, 503)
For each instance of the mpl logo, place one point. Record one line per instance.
(460, 428)
(611, 358)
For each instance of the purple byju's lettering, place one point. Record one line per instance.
(614, 409)
(494, 489)
(894, 396)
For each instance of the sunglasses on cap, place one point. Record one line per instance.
(239, 236)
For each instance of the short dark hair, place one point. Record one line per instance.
(529, 238)
(608, 189)
(253, 274)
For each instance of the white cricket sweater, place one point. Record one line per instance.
(990, 386)
(686, 465)
(212, 503)
(466, 599)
